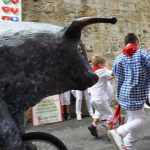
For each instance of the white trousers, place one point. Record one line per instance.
(79, 102)
(136, 119)
(102, 109)
(65, 98)
(110, 92)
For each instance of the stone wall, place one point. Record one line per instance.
(103, 39)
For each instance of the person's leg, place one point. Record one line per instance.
(88, 103)
(62, 108)
(107, 112)
(78, 104)
(93, 126)
(62, 105)
(9, 133)
(136, 120)
(67, 103)
(67, 100)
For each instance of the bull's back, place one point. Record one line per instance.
(25, 49)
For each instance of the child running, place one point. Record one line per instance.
(99, 95)
(132, 72)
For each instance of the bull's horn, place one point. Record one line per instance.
(79, 24)
(82, 22)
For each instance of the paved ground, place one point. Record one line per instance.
(76, 136)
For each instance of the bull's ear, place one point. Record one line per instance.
(75, 27)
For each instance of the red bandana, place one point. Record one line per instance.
(129, 49)
(96, 68)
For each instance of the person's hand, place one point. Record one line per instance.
(145, 49)
(112, 77)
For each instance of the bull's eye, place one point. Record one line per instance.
(80, 49)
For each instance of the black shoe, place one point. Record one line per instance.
(63, 116)
(68, 116)
(93, 130)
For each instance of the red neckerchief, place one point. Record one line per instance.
(129, 49)
(96, 68)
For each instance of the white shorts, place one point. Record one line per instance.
(65, 98)
(102, 108)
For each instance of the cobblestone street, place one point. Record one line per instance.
(76, 136)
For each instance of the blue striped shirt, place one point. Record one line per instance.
(133, 79)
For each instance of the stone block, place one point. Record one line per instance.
(146, 17)
(102, 47)
(129, 1)
(109, 4)
(132, 7)
(121, 45)
(91, 2)
(113, 47)
(104, 13)
(140, 8)
(123, 6)
(115, 38)
(135, 17)
(27, 116)
(103, 37)
(72, 1)
(142, 2)
(109, 56)
(87, 11)
(144, 39)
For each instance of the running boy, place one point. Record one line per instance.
(132, 71)
(99, 95)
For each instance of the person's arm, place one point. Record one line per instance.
(112, 77)
(145, 58)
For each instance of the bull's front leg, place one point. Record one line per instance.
(18, 118)
(9, 135)
(19, 121)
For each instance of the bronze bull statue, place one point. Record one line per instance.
(39, 60)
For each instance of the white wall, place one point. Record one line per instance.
(10, 13)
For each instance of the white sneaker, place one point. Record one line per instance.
(146, 106)
(115, 139)
(79, 117)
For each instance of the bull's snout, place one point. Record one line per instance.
(92, 79)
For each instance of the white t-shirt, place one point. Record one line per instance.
(99, 90)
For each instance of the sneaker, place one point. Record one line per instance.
(146, 106)
(104, 126)
(63, 114)
(68, 116)
(130, 147)
(115, 139)
(79, 117)
(121, 120)
(124, 148)
(93, 130)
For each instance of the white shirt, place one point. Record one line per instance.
(99, 90)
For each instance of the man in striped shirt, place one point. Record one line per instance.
(132, 72)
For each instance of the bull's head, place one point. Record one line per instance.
(81, 74)
(38, 60)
